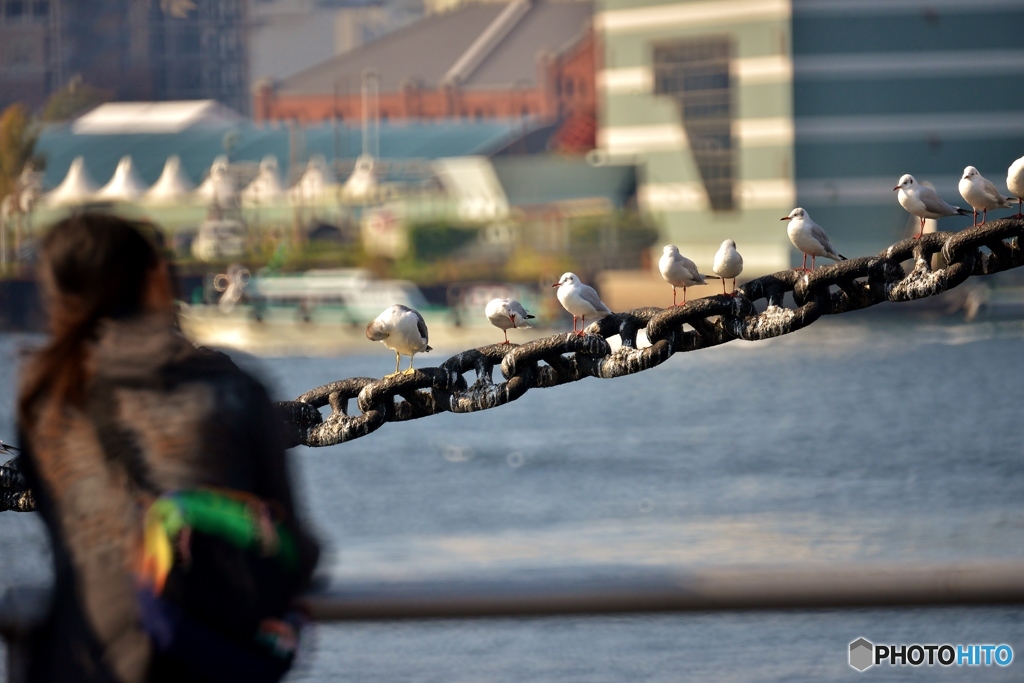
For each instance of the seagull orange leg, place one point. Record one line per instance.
(920, 234)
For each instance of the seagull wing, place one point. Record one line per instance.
(590, 296)
(993, 193)
(517, 309)
(421, 326)
(818, 234)
(933, 203)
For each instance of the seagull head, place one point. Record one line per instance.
(906, 182)
(671, 250)
(969, 172)
(567, 279)
(729, 244)
(795, 213)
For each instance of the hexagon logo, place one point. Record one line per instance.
(862, 654)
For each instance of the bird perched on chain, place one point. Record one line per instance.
(728, 264)
(923, 202)
(809, 238)
(981, 194)
(402, 330)
(507, 313)
(580, 300)
(1015, 183)
(679, 271)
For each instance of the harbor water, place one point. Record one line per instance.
(870, 438)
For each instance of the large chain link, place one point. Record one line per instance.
(699, 324)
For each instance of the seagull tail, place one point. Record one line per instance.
(429, 348)
(841, 257)
(712, 277)
(962, 212)
(530, 317)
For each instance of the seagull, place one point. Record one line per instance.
(504, 313)
(923, 202)
(728, 263)
(402, 330)
(981, 194)
(580, 300)
(1015, 182)
(809, 238)
(680, 271)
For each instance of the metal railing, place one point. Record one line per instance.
(636, 591)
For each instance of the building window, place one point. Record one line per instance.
(695, 73)
(41, 8)
(14, 8)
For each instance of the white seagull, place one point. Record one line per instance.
(809, 238)
(1015, 183)
(507, 313)
(402, 330)
(679, 271)
(923, 202)
(728, 263)
(981, 194)
(580, 300)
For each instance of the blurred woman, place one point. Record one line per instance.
(117, 411)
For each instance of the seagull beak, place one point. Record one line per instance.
(556, 284)
(895, 188)
(786, 218)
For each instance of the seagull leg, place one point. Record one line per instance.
(673, 295)
(583, 325)
(684, 297)
(574, 323)
(984, 216)
(410, 370)
(506, 338)
(1020, 206)
(398, 361)
(804, 266)
(920, 234)
(976, 218)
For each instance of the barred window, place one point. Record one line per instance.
(695, 73)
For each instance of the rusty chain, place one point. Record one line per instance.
(699, 324)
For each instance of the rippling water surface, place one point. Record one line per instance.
(861, 439)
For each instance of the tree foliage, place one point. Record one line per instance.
(74, 99)
(17, 146)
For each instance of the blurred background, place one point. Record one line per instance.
(314, 161)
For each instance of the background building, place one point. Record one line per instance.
(739, 110)
(138, 50)
(479, 61)
(699, 94)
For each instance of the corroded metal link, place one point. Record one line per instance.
(757, 311)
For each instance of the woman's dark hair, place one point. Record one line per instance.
(91, 266)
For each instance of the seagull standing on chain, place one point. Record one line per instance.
(580, 300)
(679, 271)
(923, 202)
(809, 238)
(1015, 183)
(402, 330)
(506, 313)
(728, 264)
(981, 194)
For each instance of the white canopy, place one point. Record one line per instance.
(76, 187)
(173, 185)
(316, 182)
(125, 185)
(266, 186)
(219, 187)
(363, 181)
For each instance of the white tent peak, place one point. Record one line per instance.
(76, 187)
(172, 186)
(125, 185)
(316, 181)
(219, 187)
(266, 186)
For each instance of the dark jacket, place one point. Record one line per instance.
(159, 415)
